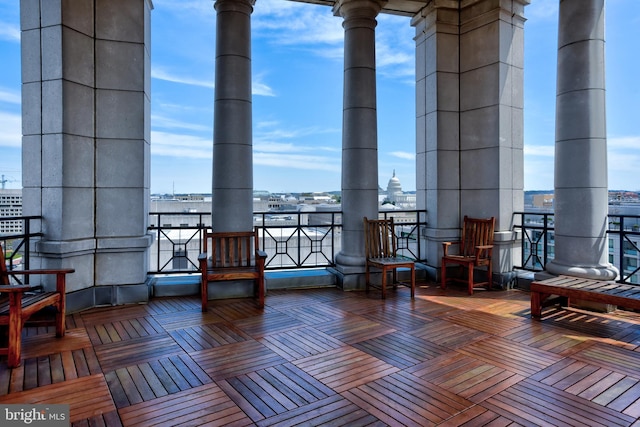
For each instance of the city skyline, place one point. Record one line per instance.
(297, 96)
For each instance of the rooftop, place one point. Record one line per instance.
(325, 356)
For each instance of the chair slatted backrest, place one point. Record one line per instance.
(230, 250)
(476, 232)
(380, 239)
(4, 276)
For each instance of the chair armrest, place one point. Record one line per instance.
(261, 254)
(14, 288)
(203, 256)
(445, 246)
(480, 248)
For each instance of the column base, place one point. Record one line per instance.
(599, 272)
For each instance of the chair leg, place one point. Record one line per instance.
(204, 292)
(443, 275)
(366, 278)
(470, 278)
(413, 282)
(384, 283)
(261, 291)
(489, 275)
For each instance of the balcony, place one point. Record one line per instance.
(336, 358)
(323, 356)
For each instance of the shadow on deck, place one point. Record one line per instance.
(327, 357)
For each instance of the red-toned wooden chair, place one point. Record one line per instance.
(19, 302)
(381, 253)
(475, 250)
(231, 256)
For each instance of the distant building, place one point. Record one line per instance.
(10, 205)
(396, 197)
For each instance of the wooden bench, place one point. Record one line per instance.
(231, 256)
(19, 302)
(601, 291)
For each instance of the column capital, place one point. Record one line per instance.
(349, 9)
(234, 5)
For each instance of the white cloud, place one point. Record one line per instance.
(9, 31)
(168, 123)
(9, 96)
(297, 161)
(159, 73)
(403, 155)
(179, 145)
(539, 150)
(11, 135)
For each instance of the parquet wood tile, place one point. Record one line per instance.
(299, 343)
(345, 368)
(273, 391)
(534, 403)
(207, 336)
(353, 329)
(448, 334)
(197, 406)
(515, 357)
(328, 357)
(86, 396)
(125, 353)
(400, 349)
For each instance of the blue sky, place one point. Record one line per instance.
(297, 95)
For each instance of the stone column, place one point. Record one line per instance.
(469, 80)
(581, 200)
(232, 208)
(359, 132)
(86, 135)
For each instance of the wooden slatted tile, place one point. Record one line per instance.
(354, 329)
(112, 314)
(544, 337)
(298, 343)
(315, 314)
(331, 411)
(530, 402)
(206, 404)
(466, 376)
(345, 368)
(126, 353)
(41, 345)
(107, 419)
(398, 319)
(236, 359)
(402, 399)
(270, 323)
(400, 349)
(614, 358)
(489, 322)
(515, 357)
(186, 319)
(207, 336)
(447, 334)
(168, 305)
(140, 383)
(278, 389)
(232, 310)
(584, 322)
(86, 396)
(122, 330)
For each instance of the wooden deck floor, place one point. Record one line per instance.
(327, 357)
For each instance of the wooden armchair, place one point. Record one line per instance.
(380, 252)
(18, 303)
(475, 250)
(231, 256)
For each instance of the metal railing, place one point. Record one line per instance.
(291, 239)
(538, 242)
(16, 244)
